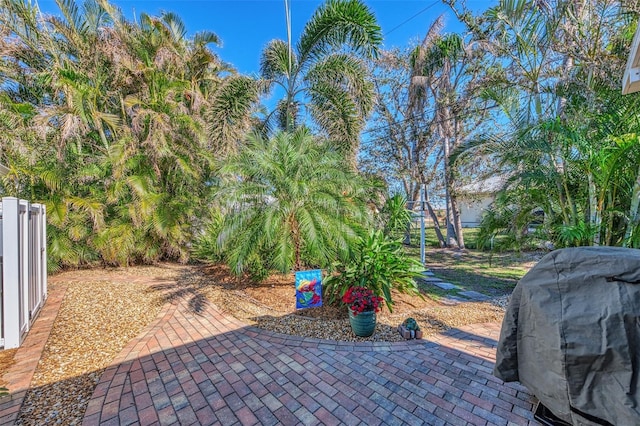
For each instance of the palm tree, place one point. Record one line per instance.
(116, 126)
(444, 76)
(163, 161)
(401, 145)
(567, 127)
(291, 201)
(325, 73)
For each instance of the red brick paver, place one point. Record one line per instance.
(209, 368)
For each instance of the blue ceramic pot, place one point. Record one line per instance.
(363, 324)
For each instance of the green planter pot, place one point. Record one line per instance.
(363, 324)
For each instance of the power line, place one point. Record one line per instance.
(411, 18)
(440, 121)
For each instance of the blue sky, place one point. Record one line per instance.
(245, 26)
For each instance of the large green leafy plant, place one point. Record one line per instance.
(395, 216)
(114, 126)
(377, 263)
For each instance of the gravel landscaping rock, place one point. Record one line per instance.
(501, 302)
(276, 313)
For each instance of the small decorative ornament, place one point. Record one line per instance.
(308, 289)
(409, 329)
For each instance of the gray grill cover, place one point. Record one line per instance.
(571, 335)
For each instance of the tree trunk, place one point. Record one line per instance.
(570, 201)
(562, 201)
(457, 221)
(452, 240)
(436, 225)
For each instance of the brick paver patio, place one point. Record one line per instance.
(208, 368)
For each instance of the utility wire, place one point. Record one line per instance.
(459, 116)
(411, 18)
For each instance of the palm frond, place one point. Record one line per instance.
(337, 23)
(274, 62)
(202, 38)
(229, 114)
(175, 25)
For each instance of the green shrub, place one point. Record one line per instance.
(577, 235)
(290, 200)
(256, 268)
(377, 263)
(395, 217)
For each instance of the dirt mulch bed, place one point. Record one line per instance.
(6, 361)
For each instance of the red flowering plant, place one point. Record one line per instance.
(362, 299)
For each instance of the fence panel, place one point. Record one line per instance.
(23, 284)
(24, 267)
(37, 280)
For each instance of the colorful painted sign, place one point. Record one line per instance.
(308, 289)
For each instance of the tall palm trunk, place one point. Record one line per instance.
(448, 183)
(454, 225)
(457, 221)
(454, 198)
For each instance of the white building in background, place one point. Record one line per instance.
(475, 198)
(631, 78)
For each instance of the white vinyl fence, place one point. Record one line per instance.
(23, 257)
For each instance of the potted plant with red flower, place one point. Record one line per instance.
(378, 263)
(363, 305)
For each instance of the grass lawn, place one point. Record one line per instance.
(493, 274)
